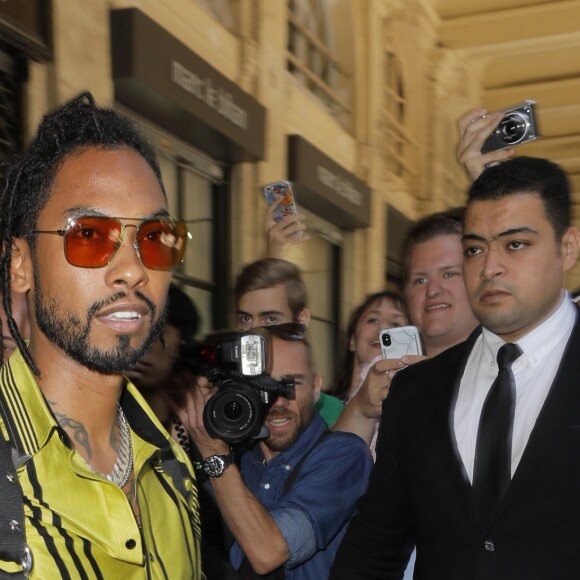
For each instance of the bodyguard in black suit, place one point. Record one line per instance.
(509, 509)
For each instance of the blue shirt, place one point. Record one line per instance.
(314, 513)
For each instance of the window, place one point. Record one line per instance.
(311, 56)
(398, 226)
(200, 202)
(224, 11)
(397, 139)
(197, 193)
(10, 99)
(320, 266)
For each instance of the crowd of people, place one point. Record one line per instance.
(459, 463)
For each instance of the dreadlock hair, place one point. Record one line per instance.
(69, 129)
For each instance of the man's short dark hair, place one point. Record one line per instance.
(69, 129)
(446, 223)
(270, 272)
(528, 175)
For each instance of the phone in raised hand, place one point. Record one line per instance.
(284, 190)
(399, 341)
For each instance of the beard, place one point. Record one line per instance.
(70, 333)
(281, 441)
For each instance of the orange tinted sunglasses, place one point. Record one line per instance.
(92, 241)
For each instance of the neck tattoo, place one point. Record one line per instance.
(124, 465)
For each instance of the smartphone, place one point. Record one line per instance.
(274, 191)
(400, 341)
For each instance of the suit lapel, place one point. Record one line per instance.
(554, 417)
(450, 379)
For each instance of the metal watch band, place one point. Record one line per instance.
(215, 465)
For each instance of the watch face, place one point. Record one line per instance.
(214, 465)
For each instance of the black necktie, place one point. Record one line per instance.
(493, 450)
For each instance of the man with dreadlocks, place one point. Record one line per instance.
(87, 239)
(20, 317)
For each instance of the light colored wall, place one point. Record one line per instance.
(81, 59)
(438, 85)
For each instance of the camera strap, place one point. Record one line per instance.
(13, 547)
(294, 473)
(246, 572)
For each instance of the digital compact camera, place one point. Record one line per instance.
(517, 126)
(239, 364)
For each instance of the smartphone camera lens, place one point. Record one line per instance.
(386, 339)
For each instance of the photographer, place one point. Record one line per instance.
(292, 529)
(272, 291)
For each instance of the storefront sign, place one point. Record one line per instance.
(203, 88)
(24, 24)
(162, 79)
(325, 187)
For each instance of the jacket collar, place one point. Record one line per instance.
(30, 422)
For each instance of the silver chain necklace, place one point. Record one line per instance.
(124, 465)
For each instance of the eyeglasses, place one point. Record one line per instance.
(92, 241)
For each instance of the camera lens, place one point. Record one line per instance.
(386, 339)
(233, 413)
(513, 128)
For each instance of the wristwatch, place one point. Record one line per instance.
(215, 465)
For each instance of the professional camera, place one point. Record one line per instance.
(239, 365)
(517, 126)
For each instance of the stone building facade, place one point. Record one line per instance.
(352, 100)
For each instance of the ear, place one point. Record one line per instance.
(20, 266)
(304, 317)
(317, 383)
(570, 247)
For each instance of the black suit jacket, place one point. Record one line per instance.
(419, 491)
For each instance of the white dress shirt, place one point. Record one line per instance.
(533, 371)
